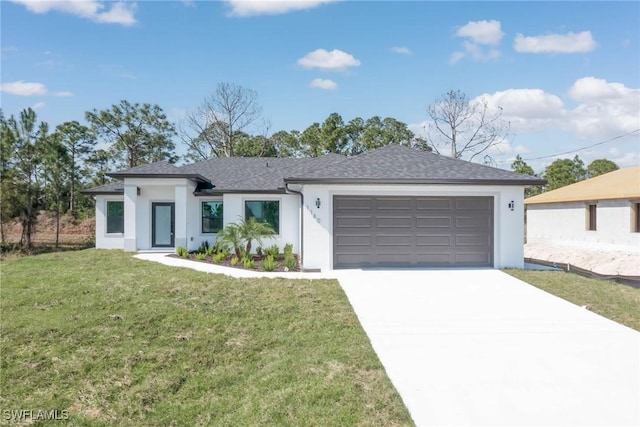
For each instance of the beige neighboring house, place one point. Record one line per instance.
(601, 213)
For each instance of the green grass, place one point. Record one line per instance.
(617, 302)
(119, 341)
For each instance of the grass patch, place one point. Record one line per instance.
(116, 340)
(617, 302)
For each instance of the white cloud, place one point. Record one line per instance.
(481, 39)
(604, 109)
(245, 8)
(555, 43)
(325, 84)
(402, 50)
(482, 32)
(22, 88)
(335, 60)
(97, 11)
(38, 106)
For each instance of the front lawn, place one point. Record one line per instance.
(114, 340)
(617, 302)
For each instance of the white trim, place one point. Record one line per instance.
(265, 199)
(199, 216)
(106, 234)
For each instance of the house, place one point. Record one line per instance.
(392, 207)
(599, 213)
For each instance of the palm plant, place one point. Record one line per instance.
(231, 236)
(250, 230)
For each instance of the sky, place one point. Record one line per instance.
(566, 75)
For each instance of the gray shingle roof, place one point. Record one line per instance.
(389, 164)
(399, 164)
(111, 188)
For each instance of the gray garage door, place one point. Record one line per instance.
(412, 231)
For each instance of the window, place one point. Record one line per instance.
(635, 218)
(591, 218)
(264, 211)
(211, 217)
(115, 217)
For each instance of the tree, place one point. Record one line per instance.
(564, 172)
(137, 134)
(251, 229)
(21, 142)
(600, 167)
(213, 129)
(254, 146)
(79, 142)
(98, 165)
(57, 167)
(9, 200)
(466, 128)
(520, 166)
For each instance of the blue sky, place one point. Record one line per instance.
(566, 74)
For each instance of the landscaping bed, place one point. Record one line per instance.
(257, 260)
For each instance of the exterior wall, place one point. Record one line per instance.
(318, 222)
(289, 216)
(565, 224)
(104, 240)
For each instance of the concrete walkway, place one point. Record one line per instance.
(481, 348)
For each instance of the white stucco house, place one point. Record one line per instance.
(392, 207)
(601, 213)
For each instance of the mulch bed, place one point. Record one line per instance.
(226, 262)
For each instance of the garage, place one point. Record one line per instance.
(398, 231)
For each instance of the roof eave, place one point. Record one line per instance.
(220, 192)
(190, 176)
(378, 181)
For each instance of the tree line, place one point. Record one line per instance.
(563, 172)
(43, 168)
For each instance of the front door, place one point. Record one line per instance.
(162, 225)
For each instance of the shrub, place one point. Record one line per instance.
(259, 250)
(290, 262)
(204, 247)
(288, 249)
(233, 260)
(248, 262)
(219, 256)
(272, 251)
(182, 251)
(201, 256)
(268, 264)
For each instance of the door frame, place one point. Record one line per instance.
(153, 224)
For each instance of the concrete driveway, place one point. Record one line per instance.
(479, 347)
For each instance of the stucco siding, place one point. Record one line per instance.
(103, 239)
(565, 224)
(508, 224)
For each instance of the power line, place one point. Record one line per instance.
(584, 148)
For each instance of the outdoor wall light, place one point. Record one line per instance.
(318, 203)
(512, 205)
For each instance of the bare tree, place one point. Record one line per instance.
(467, 128)
(213, 129)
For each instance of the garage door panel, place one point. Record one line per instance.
(353, 222)
(433, 203)
(354, 240)
(383, 221)
(474, 203)
(434, 240)
(394, 240)
(394, 203)
(479, 222)
(399, 231)
(433, 221)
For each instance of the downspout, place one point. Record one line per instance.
(299, 193)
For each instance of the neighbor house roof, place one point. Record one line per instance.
(111, 188)
(391, 164)
(620, 184)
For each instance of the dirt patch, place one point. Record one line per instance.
(71, 229)
(602, 262)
